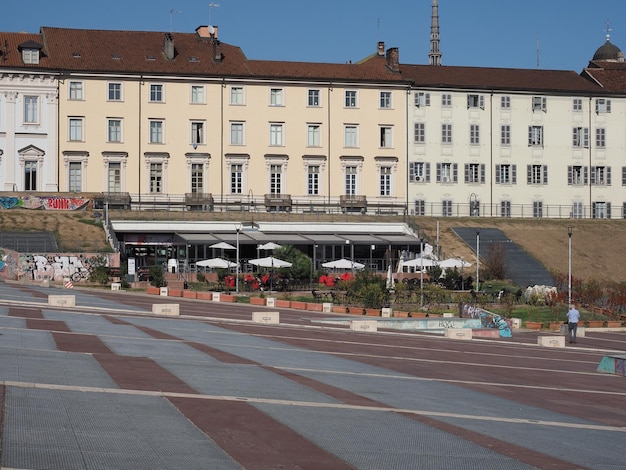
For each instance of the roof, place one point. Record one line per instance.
(608, 51)
(611, 76)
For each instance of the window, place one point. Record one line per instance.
(115, 92)
(114, 177)
(156, 132)
(314, 98)
(505, 208)
(156, 177)
(537, 209)
(540, 103)
(156, 93)
(475, 173)
(313, 180)
(76, 129)
(505, 102)
(601, 210)
(76, 91)
(446, 133)
(446, 100)
(505, 135)
(197, 94)
(30, 175)
(624, 176)
(506, 174)
(577, 175)
(446, 208)
(385, 99)
(114, 130)
(601, 175)
(314, 135)
(276, 135)
(580, 137)
(30, 56)
(385, 137)
(578, 210)
(419, 133)
(197, 178)
(476, 101)
(577, 105)
(350, 99)
(420, 207)
(351, 136)
(351, 174)
(385, 181)
(535, 136)
(197, 132)
(447, 173)
(419, 172)
(75, 176)
(236, 95)
(276, 97)
(537, 174)
(31, 109)
(474, 134)
(422, 99)
(236, 178)
(601, 138)
(603, 106)
(236, 133)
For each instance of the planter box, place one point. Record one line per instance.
(372, 312)
(204, 296)
(283, 303)
(340, 309)
(228, 298)
(534, 325)
(418, 315)
(595, 324)
(257, 300)
(189, 294)
(153, 290)
(400, 314)
(314, 307)
(356, 310)
(555, 325)
(613, 324)
(297, 304)
(175, 293)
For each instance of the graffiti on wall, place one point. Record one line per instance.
(8, 263)
(57, 267)
(51, 203)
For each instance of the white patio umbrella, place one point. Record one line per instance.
(216, 263)
(223, 246)
(270, 262)
(343, 264)
(269, 246)
(453, 263)
(419, 262)
(390, 280)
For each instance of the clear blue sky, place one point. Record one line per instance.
(484, 33)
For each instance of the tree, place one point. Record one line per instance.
(494, 264)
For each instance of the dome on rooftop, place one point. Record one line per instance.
(609, 52)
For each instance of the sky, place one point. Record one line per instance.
(546, 34)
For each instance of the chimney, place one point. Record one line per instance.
(381, 48)
(217, 50)
(393, 59)
(206, 32)
(168, 47)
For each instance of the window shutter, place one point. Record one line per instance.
(497, 174)
(426, 99)
(624, 176)
(586, 137)
(427, 165)
(469, 101)
(545, 174)
(514, 174)
(438, 172)
(585, 175)
(530, 135)
(608, 176)
(570, 175)
(482, 173)
(544, 104)
(467, 167)
(593, 210)
(608, 106)
(597, 106)
(455, 172)
(481, 100)
(593, 175)
(529, 174)
(608, 210)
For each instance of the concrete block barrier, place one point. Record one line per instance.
(267, 318)
(62, 300)
(166, 309)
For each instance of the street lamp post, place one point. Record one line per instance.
(421, 273)
(570, 230)
(237, 229)
(477, 258)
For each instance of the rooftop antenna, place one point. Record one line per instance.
(608, 30)
(537, 50)
(378, 30)
(172, 12)
(212, 5)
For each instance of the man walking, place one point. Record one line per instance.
(572, 322)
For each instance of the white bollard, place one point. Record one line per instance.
(215, 297)
(267, 318)
(327, 307)
(166, 309)
(164, 291)
(270, 302)
(386, 312)
(116, 286)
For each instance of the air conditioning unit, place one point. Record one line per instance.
(420, 179)
(445, 179)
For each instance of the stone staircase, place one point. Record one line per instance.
(174, 280)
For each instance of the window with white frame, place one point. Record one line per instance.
(537, 209)
(447, 172)
(422, 99)
(197, 94)
(236, 95)
(31, 109)
(31, 168)
(475, 173)
(276, 97)
(351, 137)
(603, 106)
(578, 210)
(276, 178)
(475, 101)
(351, 173)
(506, 174)
(314, 135)
(313, 180)
(446, 133)
(197, 178)
(30, 56)
(76, 129)
(600, 137)
(535, 136)
(446, 100)
(114, 130)
(419, 172)
(474, 134)
(276, 134)
(314, 98)
(577, 175)
(505, 102)
(197, 133)
(577, 105)
(537, 174)
(505, 135)
(385, 100)
(156, 131)
(156, 177)
(75, 177)
(236, 178)
(385, 137)
(419, 132)
(601, 175)
(446, 208)
(76, 91)
(540, 103)
(505, 208)
(601, 210)
(114, 92)
(350, 99)
(419, 207)
(156, 93)
(385, 181)
(237, 133)
(580, 137)
(114, 177)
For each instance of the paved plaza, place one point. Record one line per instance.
(107, 384)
